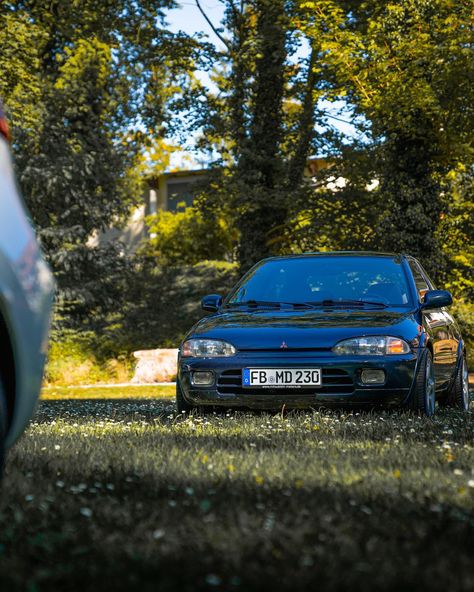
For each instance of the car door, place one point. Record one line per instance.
(438, 323)
(452, 343)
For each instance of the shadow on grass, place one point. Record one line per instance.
(92, 409)
(113, 512)
(241, 537)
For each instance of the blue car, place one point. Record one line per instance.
(26, 292)
(342, 328)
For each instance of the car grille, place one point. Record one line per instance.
(334, 381)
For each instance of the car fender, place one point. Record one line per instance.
(27, 322)
(26, 291)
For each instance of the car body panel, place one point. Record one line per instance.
(441, 330)
(316, 329)
(291, 338)
(26, 292)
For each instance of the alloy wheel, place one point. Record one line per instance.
(465, 385)
(430, 393)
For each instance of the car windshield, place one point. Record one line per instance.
(328, 281)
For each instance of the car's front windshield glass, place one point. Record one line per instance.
(329, 280)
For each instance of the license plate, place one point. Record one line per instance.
(281, 377)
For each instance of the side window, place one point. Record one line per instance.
(430, 281)
(421, 284)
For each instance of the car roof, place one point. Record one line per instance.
(337, 254)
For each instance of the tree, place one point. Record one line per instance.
(406, 67)
(19, 63)
(261, 119)
(82, 80)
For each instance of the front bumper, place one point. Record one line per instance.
(341, 380)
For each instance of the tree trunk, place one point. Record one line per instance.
(259, 173)
(296, 167)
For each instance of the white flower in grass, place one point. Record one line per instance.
(213, 580)
(86, 512)
(159, 533)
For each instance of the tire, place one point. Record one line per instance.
(458, 397)
(182, 405)
(3, 428)
(423, 399)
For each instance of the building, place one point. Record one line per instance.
(167, 191)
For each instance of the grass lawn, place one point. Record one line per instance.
(109, 493)
(60, 393)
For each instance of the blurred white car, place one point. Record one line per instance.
(26, 293)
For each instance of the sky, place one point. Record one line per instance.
(188, 18)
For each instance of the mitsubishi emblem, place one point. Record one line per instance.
(283, 345)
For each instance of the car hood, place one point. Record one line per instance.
(312, 329)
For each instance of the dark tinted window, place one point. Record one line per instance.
(420, 282)
(315, 279)
(180, 193)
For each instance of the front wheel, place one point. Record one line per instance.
(182, 405)
(424, 395)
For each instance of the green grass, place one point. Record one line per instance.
(60, 393)
(121, 494)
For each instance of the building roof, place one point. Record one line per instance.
(313, 165)
(152, 179)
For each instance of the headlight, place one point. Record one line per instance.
(207, 348)
(372, 346)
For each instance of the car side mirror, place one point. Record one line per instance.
(211, 303)
(436, 299)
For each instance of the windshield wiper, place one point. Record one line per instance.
(253, 304)
(269, 304)
(348, 303)
(304, 305)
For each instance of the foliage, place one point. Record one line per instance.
(260, 120)
(78, 182)
(339, 210)
(146, 304)
(456, 234)
(406, 68)
(71, 361)
(124, 495)
(159, 304)
(94, 284)
(79, 81)
(19, 60)
(189, 236)
(93, 88)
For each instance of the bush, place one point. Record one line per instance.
(158, 306)
(71, 361)
(463, 312)
(164, 303)
(188, 237)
